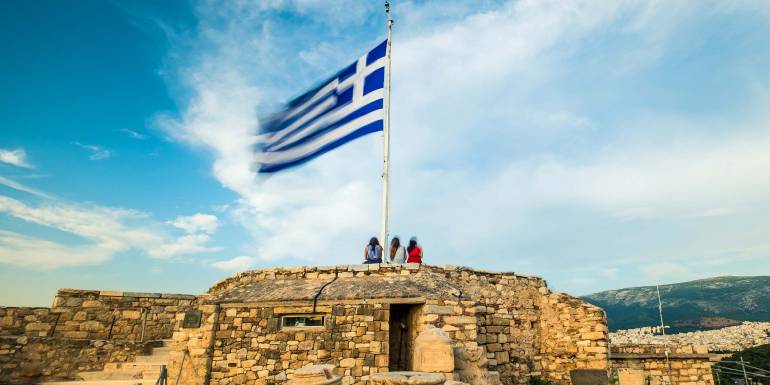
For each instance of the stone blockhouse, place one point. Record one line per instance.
(260, 326)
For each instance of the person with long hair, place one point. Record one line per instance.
(415, 251)
(397, 251)
(373, 251)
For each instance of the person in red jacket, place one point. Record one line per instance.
(415, 251)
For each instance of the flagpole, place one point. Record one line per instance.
(386, 143)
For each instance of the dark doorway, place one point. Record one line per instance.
(403, 321)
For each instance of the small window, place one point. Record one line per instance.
(302, 321)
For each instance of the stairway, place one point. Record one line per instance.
(144, 370)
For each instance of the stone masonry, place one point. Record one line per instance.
(523, 329)
(83, 330)
(646, 365)
(253, 327)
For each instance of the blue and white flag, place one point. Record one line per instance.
(343, 108)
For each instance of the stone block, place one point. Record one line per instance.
(433, 352)
(437, 309)
(132, 314)
(593, 336)
(347, 362)
(459, 320)
(91, 326)
(92, 303)
(37, 326)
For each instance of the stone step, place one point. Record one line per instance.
(151, 374)
(133, 366)
(103, 382)
(155, 358)
(110, 375)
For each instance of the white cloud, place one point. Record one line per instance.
(666, 271)
(17, 157)
(238, 263)
(21, 187)
(199, 228)
(683, 177)
(133, 134)
(20, 250)
(104, 231)
(184, 245)
(205, 223)
(97, 152)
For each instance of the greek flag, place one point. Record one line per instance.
(345, 107)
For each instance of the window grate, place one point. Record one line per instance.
(303, 321)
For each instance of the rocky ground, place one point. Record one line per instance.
(729, 339)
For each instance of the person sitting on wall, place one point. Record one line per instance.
(373, 251)
(415, 251)
(397, 251)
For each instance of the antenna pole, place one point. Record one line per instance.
(663, 330)
(743, 366)
(386, 143)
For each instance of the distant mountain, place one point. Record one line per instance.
(697, 305)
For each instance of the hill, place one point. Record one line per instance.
(696, 305)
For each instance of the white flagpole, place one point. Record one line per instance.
(386, 144)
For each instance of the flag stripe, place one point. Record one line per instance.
(372, 123)
(346, 113)
(365, 130)
(302, 121)
(279, 156)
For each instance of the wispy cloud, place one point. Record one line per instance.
(108, 231)
(96, 152)
(198, 229)
(133, 134)
(17, 157)
(184, 245)
(205, 223)
(105, 231)
(239, 263)
(21, 187)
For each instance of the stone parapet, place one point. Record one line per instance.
(26, 360)
(116, 315)
(27, 321)
(328, 272)
(649, 364)
(683, 351)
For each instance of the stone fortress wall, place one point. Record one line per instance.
(647, 365)
(505, 328)
(83, 330)
(574, 336)
(518, 327)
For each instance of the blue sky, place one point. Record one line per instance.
(599, 145)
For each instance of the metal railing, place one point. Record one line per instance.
(163, 377)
